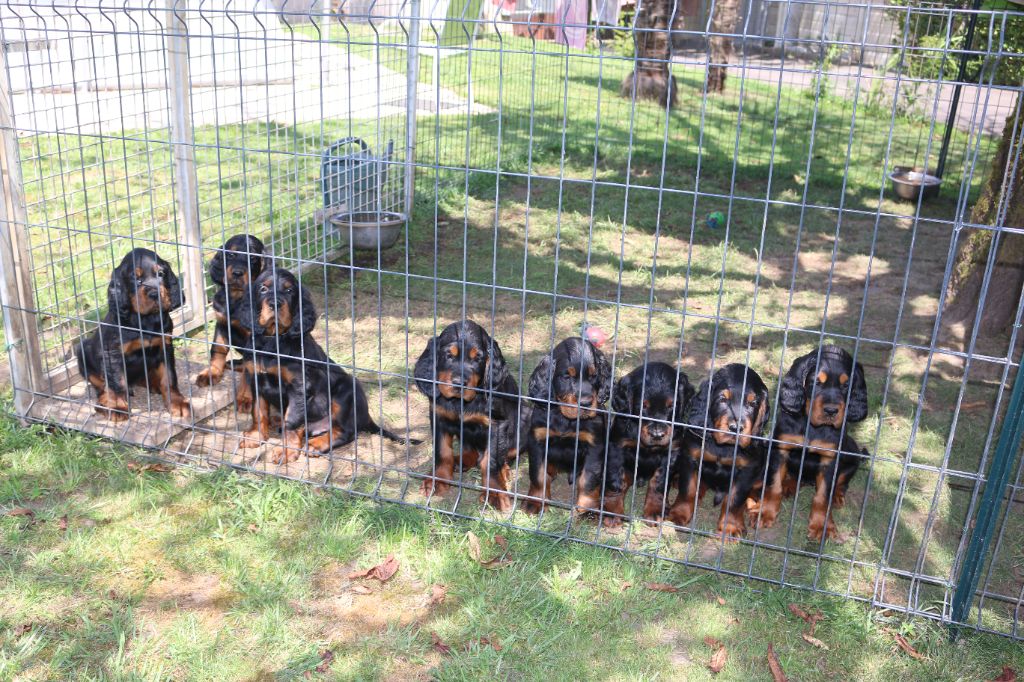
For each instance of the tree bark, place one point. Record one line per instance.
(1001, 204)
(725, 19)
(652, 78)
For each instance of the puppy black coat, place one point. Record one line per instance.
(473, 399)
(651, 406)
(134, 343)
(728, 416)
(822, 394)
(567, 433)
(323, 406)
(232, 270)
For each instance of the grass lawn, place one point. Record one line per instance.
(575, 204)
(128, 573)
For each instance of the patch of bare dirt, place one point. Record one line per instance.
(200, 594)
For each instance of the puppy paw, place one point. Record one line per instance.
(181, 410)
(208, 377)
(251, 439)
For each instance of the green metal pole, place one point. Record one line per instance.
(991, 503)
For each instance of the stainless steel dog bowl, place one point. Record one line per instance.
(911, 183)
(368, 229)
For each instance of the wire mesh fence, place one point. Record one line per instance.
(577, 232)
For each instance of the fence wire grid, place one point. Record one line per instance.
(534, 192)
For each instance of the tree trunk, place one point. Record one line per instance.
(725, 19)
(651, 78)
(1002, 204)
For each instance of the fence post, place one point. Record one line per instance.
(15, 270)
(1010, 434)
(186, 193)
(412, 77)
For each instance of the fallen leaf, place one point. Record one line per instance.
(1008, 675)
(971, 407)
(63, 523)
(20, 511)
(474, 545)
(626, 584)
(112, 595)
(440, 646)
(799, 612)
(814, 641)
(495, 644)
(501, 542)
(775, 667)
(326, 658)
(661, 587)
(810, 618)
(721, 601)
(437, 594)
(905, 645)
(21, 629)
(383, 571)
(360, 589)
(156, 467)
(253, 528)
(496, 562)
(718, 660)
(712, 642)
(733, 621)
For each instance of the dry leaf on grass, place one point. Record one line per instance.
(63, 523)
(156, 467)
(814, 641)
(1008, 675)
(326, 658)
(477, 554)
(501, 542)
(437, 594)
(721, 601)
(626, 584)
(810, 618)
(21, 629)
(382, 572)
(717, 661)
(712, 642)
(661, 587)
(905, 645)
(360, 589)
(778, 674)
(474, 545)
(20, 511)
(974, 405)
(439, 646)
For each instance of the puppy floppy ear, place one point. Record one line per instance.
(540, 382)
(172, 284)
(604, 376)
(793, 395)
(622, 396)
(496, 374)
(684, 397)
(698, 417)
(259, 259)
(761, 422)
(307, 320)
(215, 268)
(118, 299)
(425, 370)
(857, 409)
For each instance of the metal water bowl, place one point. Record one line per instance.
(368, 229)
(911, 183)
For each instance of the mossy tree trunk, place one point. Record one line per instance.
(1002, 204)
(652, 78)
(724, 20)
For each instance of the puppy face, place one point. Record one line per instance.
(282, 307)
(659, 395)
(734, 404)
(460, 360)
(827, 386)
(144, 284)
(236, 264)
(576, 375)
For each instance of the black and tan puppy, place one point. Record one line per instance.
(473, 399)
(567, 433)
(232, 270)
(323, 406)
(651, 406)
(134, 343)
(822, 394)
(728, 416)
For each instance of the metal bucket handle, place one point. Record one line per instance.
(329, 152)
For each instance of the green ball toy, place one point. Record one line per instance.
(716, 219)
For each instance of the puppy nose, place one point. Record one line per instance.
(153, 293)
(586, 400)
(237, 272)
(830, 410)
(734, 426)
(458, 381)
(656, 431)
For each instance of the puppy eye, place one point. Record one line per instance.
(162, 274)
